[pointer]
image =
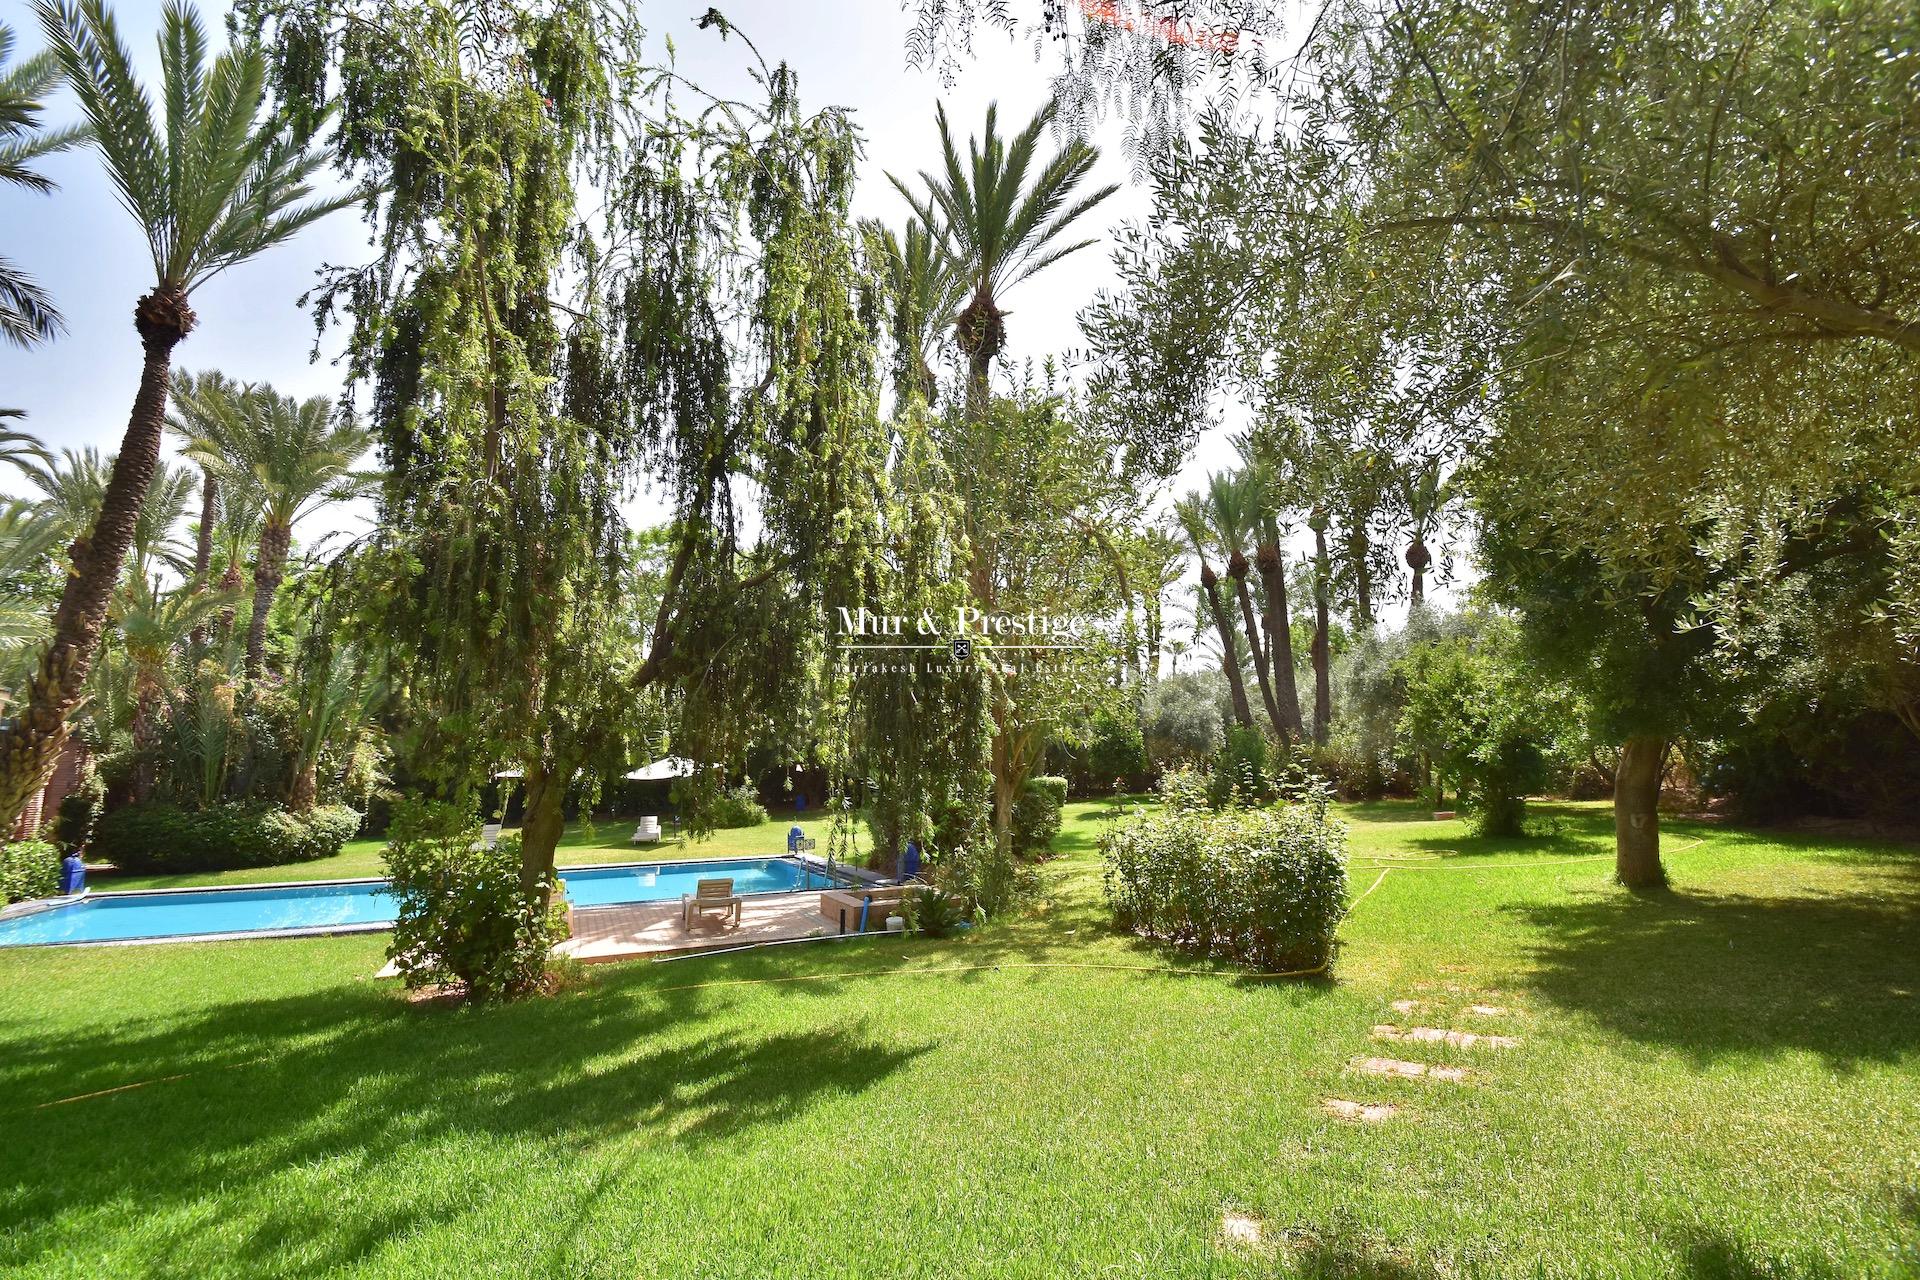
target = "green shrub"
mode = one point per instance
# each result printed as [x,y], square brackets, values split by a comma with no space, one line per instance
[79,810]
[932,911]
[738,807]
[1036,814]
[464,916]
[1240,770]
[29,869]
[1263,887]
[160,837]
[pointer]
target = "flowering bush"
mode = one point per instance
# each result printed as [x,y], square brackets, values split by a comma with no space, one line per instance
[1264,887]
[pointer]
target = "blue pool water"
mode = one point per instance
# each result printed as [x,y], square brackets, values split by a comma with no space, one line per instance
[115,917]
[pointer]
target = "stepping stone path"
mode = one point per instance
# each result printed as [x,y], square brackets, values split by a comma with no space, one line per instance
[1406,1006]
[1409,1070]
[1364,1112]
[1435,1035]
[1480,1010]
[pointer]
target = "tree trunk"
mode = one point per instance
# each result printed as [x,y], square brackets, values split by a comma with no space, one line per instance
[1229,653]
[1418,558]
[31,745]
[1357,548]
[1003,791]
[1636,813]
[1273,577]
[146,697]
[1153,633]
[203,547]
[229,581]
[269,567]
[306,787]
[1322,684]
[543,820]
[1238,569]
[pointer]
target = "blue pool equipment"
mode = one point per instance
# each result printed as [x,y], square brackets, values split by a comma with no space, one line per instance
[73,875]
[800,802]
[794,836]
[910,861]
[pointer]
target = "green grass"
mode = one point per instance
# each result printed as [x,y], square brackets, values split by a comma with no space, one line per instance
[1719,1081]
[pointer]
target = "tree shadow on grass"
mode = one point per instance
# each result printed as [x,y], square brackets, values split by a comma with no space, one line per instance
[1725,974]
[1716,1255]
[345,1076]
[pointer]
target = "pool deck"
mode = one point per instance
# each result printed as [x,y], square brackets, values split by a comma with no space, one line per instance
[640,929]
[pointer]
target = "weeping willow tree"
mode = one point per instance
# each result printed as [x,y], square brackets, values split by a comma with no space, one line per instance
[532,367]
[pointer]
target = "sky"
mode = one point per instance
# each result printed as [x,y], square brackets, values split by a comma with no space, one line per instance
[87,250]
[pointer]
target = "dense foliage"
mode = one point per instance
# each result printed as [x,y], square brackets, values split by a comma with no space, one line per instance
[1262,887]
[161,837]
[29,869]
[1036,815]
[465,916]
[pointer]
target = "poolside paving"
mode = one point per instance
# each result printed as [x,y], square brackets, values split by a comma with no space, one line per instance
[630,930]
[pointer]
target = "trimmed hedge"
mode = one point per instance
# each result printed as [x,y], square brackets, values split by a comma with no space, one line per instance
[159,837]
[29,869]
[1262,887]
[1036,814]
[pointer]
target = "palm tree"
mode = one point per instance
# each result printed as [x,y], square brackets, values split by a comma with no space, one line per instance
[1267,501]
[1233,512]
[27,314]
[922,288]
[21,448]
[295,457]
[193,418]
[1001,221]
[211,186]
[28,542]
[74,488]
[1192,514]
[154,625]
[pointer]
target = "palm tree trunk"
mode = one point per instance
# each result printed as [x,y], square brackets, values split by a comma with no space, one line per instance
[306,786]
[30,746]
[1322,684]
[1418,558]
[1357,548]
[1238,569]
[1636,813]
[269,567]
[1273,577]
[1229,652]
[203,546]
[146,697]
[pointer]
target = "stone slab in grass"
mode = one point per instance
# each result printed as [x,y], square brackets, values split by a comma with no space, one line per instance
[1405,1006]
[1438,1035]
[1394,1067]
[1488,1010]
[1363,1112]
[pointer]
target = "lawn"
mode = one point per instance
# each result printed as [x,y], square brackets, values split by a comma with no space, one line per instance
[1719,1081]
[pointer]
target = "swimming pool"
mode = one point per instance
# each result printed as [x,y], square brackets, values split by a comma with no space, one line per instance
[347,906]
